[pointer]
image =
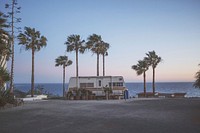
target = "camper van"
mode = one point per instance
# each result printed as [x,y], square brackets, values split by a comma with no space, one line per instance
[97,85]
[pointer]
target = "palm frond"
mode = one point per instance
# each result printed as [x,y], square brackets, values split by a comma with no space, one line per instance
[75,43]
[4,76]
[31,39]
[63,61]
[141,67]
[153,59]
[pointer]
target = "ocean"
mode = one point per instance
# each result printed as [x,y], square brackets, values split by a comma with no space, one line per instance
[55,89]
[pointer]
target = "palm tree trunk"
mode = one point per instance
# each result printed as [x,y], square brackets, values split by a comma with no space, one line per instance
[76,69]
[97,64]
[153,81]
[32,75]
[12,51]
[63,80]
[103,64]
[144,84]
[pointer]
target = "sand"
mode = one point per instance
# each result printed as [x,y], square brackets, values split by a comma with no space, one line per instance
[113,116]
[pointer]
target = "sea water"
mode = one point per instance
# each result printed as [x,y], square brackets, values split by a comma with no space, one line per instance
[55,89]
[165,87]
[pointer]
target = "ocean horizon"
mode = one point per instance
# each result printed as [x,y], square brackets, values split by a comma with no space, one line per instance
[55,89]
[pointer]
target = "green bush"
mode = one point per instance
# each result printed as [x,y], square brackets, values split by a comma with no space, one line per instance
[6,97]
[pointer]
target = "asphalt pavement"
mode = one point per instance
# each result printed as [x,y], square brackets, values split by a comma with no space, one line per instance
[112,116]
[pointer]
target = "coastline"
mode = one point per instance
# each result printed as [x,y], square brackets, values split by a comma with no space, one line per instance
[133,87]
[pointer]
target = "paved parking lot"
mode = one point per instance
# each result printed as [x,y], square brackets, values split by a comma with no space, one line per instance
[113,116]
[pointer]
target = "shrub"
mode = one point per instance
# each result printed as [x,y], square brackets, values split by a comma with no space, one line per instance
[6,97]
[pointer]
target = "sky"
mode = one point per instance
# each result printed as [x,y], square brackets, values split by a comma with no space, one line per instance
[132,28]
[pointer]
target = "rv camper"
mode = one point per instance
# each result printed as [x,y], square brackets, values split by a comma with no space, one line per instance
[97,85]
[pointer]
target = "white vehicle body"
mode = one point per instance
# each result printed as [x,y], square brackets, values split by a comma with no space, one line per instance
[96,84]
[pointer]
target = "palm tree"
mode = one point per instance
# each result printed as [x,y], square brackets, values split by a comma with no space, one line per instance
[153,61]
[74,43]
[141,68]
[3,25]
[4,77]
[4,41]
[197,82]
[94,44]
[32,40]
[63,61]
[5,51]
[104,52]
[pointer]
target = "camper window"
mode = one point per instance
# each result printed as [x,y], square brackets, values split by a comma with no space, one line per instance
[99,82]
[116,84]
[85,85]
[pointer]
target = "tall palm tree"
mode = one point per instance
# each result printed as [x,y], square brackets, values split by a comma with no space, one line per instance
[94,44]
[32,40]
[197,82]
[63,61]
[74,43]
[140,69]
[153,60]
[104,51]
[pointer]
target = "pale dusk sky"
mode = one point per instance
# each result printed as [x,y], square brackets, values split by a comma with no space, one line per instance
[131,27]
